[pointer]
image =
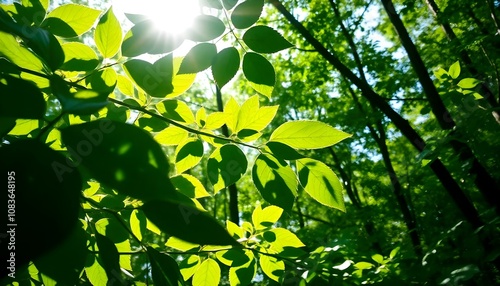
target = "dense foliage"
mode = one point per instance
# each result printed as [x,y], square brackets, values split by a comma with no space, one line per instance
[125,167]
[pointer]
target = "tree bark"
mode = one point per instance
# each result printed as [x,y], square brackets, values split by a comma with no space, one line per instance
[233,190]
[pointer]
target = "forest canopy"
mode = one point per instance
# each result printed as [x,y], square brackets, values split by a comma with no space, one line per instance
[256,143]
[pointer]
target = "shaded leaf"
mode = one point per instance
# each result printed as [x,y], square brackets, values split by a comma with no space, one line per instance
[176,110]
[15,93]
[264,39]
[109,255]
[187,223]
[247,13]
[155,79]
[259,72]
[225,166]
[205,28]
[225,65]
[199,58]
[283,151]
[229,4]
[136,165]
[275,181]
[244,274]
[164,268]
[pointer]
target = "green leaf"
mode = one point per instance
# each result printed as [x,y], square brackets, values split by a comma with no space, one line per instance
[189,265]
[135,164]
[109,255]
[233,257]
[30,11]
[454,70]
[244,274]
[108,34]
[394,252]
[190,186]
[199,58]
[187,223]
[216,4]
[205,28]
[265,218]
[42,42]
[215,120]
[176,110]
[57,264]
[283,151]
[112,229]
[95,272]
[225,166]
[171,136]
[188,154]
[41,189]
[82,102]
[155,79]
[259,72]
[181,82]
[225,65]
[247,13]
[363,265]
[234,230]
[272,267]
[231,112]
[70,20]
[164,269]
[307,134]
[275,181]
[147,37]
[229,4]
[321,183]
[18,54]
[15,93]
[79,57]
[180,244]
[264,39]
[281,239]
[468,83]
[253,117]
[103,81]
[378,258]
[208,274]
[138,223]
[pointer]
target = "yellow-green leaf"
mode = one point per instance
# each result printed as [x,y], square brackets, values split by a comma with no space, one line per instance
[253,117]
[108,34]
[176,110]
[265,218]
[308,134]
[234,230]
[279,238]
[231,110]
[321,183]
[17,54]
[189,186]
[225,166]
[272,267]
[180,244]
[70,20]
[215,120]
[79,57]
[189,265]
[454,70]
[468,83]
[171,135]
[208,274]
[188,154]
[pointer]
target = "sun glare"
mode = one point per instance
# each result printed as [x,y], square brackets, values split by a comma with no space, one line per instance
[173,16]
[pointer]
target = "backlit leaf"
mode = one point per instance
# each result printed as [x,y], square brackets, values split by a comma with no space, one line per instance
[244,274]
[176,110]
[264,39]
[468,83]
[265,218]
[307,134]
[138,223]
[180,244]
[171,135]
[281,238]
[225,65]
[108,34]
[454,70]
[272,267]
[321,183]
[109,255]
[231,112]
[189,265]
[208,274]
[18,54]
[79,57]
[70,20]
[253,117]
[181,82]
[190,186]
[275,181]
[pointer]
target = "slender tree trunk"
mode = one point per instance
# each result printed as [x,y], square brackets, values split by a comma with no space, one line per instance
[233,190]
[368,224]
[484,182]
[451,186]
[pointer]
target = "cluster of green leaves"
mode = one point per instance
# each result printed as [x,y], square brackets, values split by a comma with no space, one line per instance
[94,122]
